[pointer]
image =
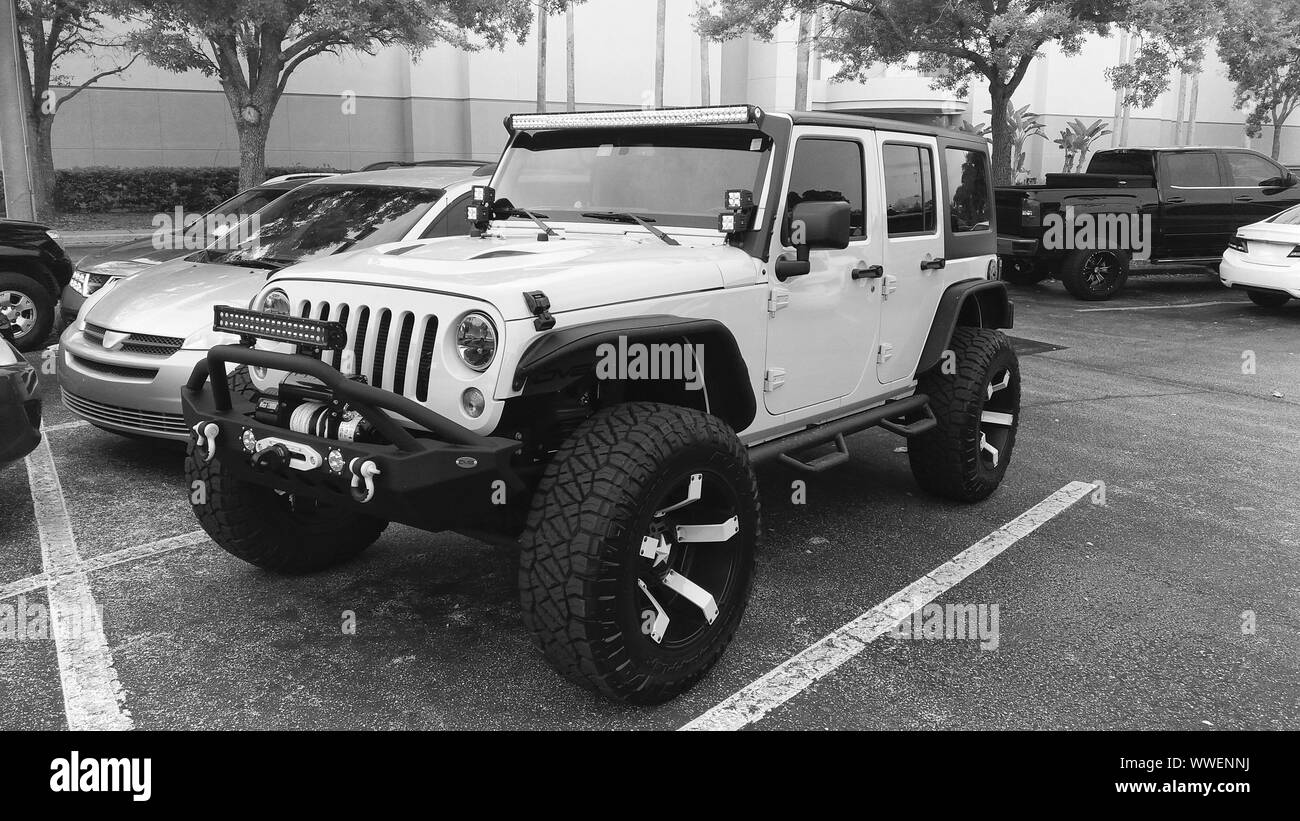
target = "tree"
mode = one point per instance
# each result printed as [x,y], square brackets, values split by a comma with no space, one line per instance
[1260,45]
[1077,139]
[542,41]
[253,47]
[50,32]
[958,41]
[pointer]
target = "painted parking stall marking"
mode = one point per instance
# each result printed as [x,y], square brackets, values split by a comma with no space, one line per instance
[752,702]
[92,694]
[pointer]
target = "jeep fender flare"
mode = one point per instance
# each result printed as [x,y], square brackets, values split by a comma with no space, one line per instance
[979,303]
[566,353]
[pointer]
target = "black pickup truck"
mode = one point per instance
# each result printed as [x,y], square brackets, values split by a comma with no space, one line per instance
[1153,205]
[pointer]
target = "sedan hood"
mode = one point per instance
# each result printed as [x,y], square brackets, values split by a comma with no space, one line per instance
[174,299]
[129,258]
[575,273]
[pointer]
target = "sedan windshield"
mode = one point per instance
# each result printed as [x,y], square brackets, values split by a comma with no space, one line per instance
[668,176]
[319,220]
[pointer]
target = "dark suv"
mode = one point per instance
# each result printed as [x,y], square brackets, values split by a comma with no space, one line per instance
[34,268]
[20,409]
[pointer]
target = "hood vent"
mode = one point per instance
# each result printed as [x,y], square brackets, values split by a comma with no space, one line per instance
[499,254]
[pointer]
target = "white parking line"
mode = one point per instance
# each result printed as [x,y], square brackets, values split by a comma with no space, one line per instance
[92,694]
[1160,307]
[752,702]
[64,426]
[127,554]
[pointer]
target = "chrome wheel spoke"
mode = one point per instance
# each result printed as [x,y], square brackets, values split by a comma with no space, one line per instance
[693,494]
[693,593]
[656,550]
[994,387]
[985,447]
[1006,420]
[660,625]
[709,533]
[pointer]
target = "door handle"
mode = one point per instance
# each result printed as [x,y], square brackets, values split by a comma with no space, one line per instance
[1243,198]
[1175,199]
[869,272]
[933,264]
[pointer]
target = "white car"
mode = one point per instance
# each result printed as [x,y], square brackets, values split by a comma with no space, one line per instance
[135,342]
[1264,259]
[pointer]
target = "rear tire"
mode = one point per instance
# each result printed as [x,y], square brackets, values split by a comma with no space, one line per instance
[1094,276]
[1268,299]
[592,598]
[280,533]
[30,308]
[977,409]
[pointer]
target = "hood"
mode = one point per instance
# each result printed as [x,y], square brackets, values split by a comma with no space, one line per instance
[174,299]
[129,258]
[577,273]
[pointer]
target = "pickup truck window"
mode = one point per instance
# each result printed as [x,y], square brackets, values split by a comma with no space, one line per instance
[1249,171]
[909,189]
[1192,169]
[1123,163]
[968,174]
[827,170]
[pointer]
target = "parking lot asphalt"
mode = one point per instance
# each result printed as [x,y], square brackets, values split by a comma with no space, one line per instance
[1129,609]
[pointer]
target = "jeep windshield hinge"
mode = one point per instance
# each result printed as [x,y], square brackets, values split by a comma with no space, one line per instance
[540,307]
[777,299]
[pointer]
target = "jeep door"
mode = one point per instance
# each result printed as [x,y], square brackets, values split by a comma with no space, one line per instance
[822,325]
[915,276]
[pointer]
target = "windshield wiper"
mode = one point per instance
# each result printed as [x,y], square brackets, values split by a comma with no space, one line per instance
[265,264]
[644,222]
[511,211]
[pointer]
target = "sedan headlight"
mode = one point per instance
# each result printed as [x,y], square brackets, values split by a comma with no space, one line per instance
[476,341]
[87,283]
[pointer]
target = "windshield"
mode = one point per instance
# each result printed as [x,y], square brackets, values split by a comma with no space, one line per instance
[319,220]
[670,176]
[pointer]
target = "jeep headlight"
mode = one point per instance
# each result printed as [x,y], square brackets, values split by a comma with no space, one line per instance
[276,302]
[476,340]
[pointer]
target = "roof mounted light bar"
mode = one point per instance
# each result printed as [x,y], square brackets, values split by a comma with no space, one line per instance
[712,115]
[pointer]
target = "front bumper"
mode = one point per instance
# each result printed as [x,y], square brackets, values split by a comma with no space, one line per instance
[20,412]
[1237,271]
[1009,246]
[457,481]
[130,393]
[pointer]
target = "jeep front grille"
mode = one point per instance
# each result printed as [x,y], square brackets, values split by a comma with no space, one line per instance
[393,349]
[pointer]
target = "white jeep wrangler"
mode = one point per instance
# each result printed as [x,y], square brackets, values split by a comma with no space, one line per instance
[648,304]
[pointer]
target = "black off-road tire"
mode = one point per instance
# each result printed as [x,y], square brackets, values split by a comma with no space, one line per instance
[1080,276]
[948,460]
[1268,299]
[241,383]
[579,563]
[264,528]
[42,302]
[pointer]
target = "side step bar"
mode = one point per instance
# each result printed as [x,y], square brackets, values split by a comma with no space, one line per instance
[885,416]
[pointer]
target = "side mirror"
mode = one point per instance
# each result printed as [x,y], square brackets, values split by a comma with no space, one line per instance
[815,225]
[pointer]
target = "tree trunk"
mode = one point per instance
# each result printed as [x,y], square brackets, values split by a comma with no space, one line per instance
[41,156]
[661,28]
[1277,138]
[252,152]
[1004,172]
[801,64]
[571,94]
[541,58]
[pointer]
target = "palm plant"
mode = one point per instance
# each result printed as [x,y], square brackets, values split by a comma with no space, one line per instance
[1077,139]
[1022,124]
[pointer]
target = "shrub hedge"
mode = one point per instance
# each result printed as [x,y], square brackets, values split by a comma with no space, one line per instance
[109,190]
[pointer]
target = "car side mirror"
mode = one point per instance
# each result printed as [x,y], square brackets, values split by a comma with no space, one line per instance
[815,225]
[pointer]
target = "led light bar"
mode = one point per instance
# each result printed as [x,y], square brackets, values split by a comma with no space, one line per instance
[714,115]
[326,336]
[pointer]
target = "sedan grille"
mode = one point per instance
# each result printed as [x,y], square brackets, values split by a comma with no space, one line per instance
[147,344]
[165,424]
[393,349]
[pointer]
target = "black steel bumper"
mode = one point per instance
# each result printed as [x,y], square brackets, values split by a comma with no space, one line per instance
[1018,246]
[20,412]
[456,481]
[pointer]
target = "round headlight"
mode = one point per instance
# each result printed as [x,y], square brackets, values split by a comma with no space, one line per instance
[476,341]
[276,302]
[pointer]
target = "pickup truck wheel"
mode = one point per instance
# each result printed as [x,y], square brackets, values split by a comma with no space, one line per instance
[281,533]
[1268,299]
[638,553]
[29,307]
[1095,275]
[978,412]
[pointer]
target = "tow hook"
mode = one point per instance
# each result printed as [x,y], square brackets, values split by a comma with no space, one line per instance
[272,459]
[365,472]
[205,438]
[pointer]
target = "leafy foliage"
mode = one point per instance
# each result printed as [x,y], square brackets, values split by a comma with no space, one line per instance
[1260,45]
[1077,139]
